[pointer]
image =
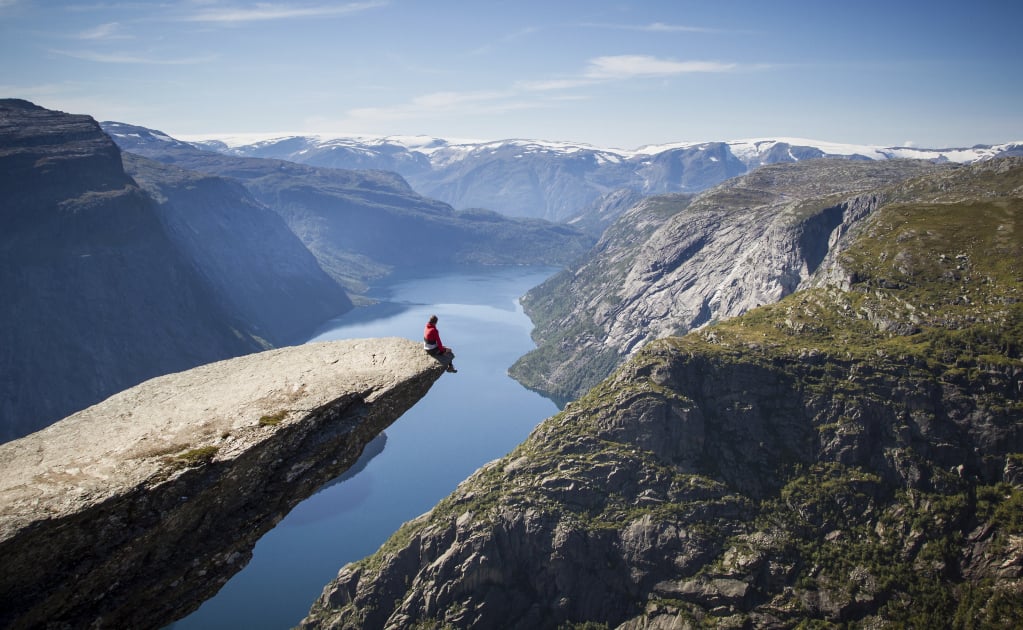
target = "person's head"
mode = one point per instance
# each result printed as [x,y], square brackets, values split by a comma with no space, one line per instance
[433,319]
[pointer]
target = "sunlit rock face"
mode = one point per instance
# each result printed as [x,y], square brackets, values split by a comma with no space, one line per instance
[674,263]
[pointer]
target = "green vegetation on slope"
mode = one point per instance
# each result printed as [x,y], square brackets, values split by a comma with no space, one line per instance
[942,292]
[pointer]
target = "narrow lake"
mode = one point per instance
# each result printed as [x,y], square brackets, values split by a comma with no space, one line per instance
[466,420]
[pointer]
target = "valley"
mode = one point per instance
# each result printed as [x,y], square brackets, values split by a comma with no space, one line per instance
[846,456]
[787,374]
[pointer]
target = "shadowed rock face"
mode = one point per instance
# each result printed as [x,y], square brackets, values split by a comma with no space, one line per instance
[96,297]
[257,268]
[111,276]
[47,155]
[132,512]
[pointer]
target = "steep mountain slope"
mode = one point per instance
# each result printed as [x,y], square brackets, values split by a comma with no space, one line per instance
[96,297]
[674,263]
[522,178]
[557,180]
[850,456]
[361,224]
[603,212]
[254,264]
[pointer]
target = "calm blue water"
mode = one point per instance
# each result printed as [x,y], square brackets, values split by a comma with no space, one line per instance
[466,420]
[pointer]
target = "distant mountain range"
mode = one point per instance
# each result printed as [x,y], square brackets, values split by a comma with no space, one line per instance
[362,224]
[558,180]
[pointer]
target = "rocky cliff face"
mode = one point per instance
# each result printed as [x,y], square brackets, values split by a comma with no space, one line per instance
[255,266]
[111,277]
[132,512]
[851,455]
[96,297]
[603,212]
[675,263]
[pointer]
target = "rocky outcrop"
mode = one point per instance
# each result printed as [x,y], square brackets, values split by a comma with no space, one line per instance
[848,456]
[674,263]
[130,513]
[96,297]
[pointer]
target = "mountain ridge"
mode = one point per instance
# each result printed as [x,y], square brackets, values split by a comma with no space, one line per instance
[360,224]
[555,180]
[78,236]
[754,147]
[256,266]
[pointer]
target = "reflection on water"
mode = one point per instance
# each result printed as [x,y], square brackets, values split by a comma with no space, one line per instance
[349,490]
[466,420]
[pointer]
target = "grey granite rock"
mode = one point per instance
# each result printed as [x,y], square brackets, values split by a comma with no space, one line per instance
[133,511]
[675,263]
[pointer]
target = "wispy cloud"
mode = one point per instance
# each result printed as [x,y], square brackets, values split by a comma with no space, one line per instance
[507,39]
[438,103]
[111,30]
[631,66]
[661,27]
[130,58]
[555,84]
[623,67]
[278,11]
[654,27]
[523,94]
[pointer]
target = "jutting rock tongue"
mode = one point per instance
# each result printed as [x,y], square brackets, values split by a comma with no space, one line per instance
[134,511]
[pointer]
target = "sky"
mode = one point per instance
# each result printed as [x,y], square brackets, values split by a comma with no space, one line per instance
[610,73]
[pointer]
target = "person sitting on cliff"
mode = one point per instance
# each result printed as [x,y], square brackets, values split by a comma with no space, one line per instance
[433,346]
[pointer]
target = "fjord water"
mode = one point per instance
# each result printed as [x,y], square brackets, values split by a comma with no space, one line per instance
[466,420]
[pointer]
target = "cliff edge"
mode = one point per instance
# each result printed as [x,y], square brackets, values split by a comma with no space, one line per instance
[132,512]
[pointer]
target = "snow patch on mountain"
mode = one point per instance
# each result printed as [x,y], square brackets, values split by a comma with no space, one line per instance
[445,151]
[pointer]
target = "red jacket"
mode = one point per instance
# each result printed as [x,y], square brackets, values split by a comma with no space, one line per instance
[432,336]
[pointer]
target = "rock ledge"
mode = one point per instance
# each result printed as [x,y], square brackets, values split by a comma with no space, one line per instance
[132,512]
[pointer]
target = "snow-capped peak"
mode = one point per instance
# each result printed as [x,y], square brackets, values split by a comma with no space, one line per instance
[752,151]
